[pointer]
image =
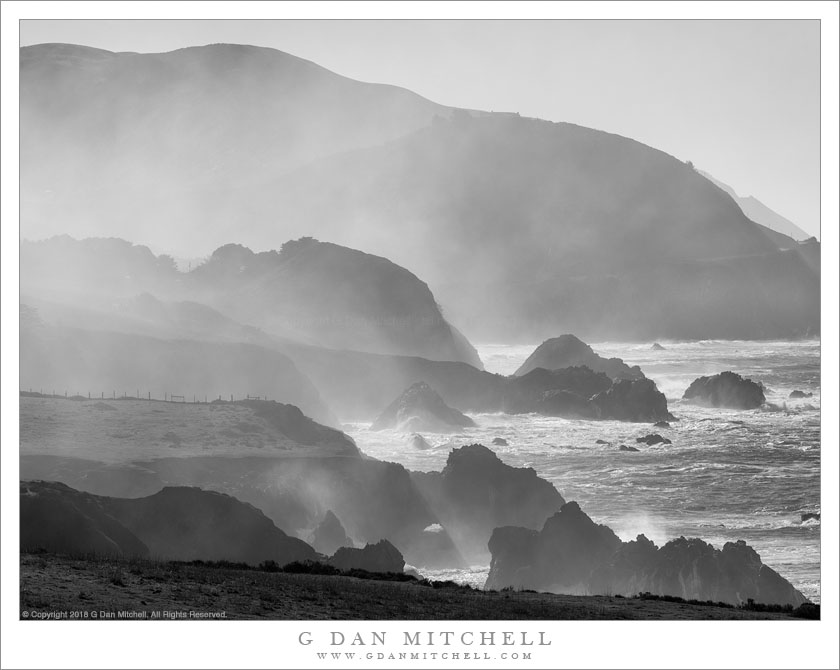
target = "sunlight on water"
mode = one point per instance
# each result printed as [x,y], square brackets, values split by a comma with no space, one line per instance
[728,475]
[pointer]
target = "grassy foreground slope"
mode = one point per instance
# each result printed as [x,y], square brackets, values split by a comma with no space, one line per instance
[51,583]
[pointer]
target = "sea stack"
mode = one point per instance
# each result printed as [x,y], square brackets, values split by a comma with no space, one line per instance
[420,409]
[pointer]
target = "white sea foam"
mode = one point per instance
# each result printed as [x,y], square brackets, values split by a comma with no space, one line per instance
[728,475]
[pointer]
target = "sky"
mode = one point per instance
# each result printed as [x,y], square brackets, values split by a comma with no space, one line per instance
[740,99]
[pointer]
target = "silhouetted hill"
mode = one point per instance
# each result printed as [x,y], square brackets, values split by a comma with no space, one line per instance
[376,499]
[177,523]
[777,226]
[95,122]
[82,361]
[523,228]
[555,227]
[330,295]
[55,517]
[316,292]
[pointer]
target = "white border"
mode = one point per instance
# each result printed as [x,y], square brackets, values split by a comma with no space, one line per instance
[272,644]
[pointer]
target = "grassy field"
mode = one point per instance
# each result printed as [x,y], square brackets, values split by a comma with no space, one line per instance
[122,431]
[60,584]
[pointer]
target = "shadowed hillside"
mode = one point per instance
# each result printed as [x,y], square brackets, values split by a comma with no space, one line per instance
[315,292]
[522,228]
[176,523]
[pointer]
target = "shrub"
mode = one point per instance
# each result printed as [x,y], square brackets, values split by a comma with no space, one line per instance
[310,568]
[269,566]
[807,611]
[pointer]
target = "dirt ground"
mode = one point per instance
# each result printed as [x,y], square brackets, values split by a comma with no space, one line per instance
[76,588]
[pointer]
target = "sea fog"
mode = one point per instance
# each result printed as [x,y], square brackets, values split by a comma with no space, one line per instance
[727,475]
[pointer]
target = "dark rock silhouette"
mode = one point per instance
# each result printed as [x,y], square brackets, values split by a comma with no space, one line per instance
[380,557]
[566,392]
[810,515]
[601,442]
[653,438]
[181,523]
[568,351]
[291,422]
[726,389]
[500,442]
[624,447]
[632,400]
[420,408]
[375,499]
[800,394]
[57,518]
[657,347]
[559,557]
[693,569]
[662,424]
[330,535]
[572,554]
[477,492]
[417,441]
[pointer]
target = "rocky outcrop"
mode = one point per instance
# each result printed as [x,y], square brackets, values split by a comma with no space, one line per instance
[632,400]
[558,558]
[380,557]
[476,492]
[568,351]
[500,442]
[420,409]
[657,347]
[566,392]
[572,554]
[726,389]
[693,569]
[374,499]
[624,447]
[800,394]
[57,518]
[417,441]
[330,535]
[289,421]
[653,438]
[180,523]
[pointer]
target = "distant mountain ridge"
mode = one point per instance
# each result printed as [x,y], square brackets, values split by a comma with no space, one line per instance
[522,228]
[311,291]
[760,213]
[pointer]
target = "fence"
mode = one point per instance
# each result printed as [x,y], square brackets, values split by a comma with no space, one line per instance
[149,397]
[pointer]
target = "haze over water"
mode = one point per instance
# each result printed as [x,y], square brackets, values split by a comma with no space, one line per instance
[729,475]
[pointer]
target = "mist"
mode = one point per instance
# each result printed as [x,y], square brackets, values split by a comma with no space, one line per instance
[347,247]
[589,233]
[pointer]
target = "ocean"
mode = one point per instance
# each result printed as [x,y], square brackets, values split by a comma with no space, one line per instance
[728,475]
